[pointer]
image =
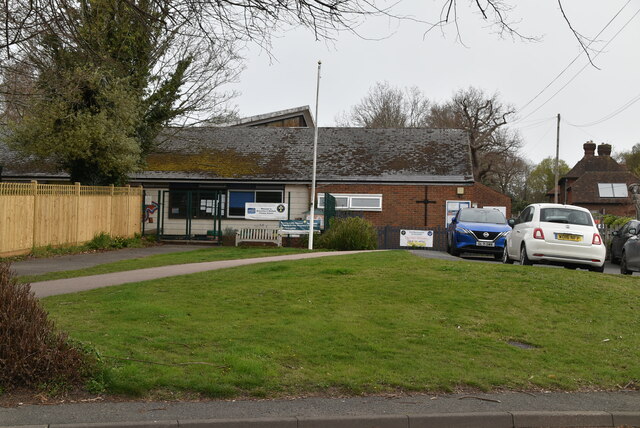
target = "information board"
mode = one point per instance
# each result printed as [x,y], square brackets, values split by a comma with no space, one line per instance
[264,211]
[416,238]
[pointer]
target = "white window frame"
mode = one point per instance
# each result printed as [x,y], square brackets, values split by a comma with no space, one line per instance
[350,197]
[612,190]
[254,198]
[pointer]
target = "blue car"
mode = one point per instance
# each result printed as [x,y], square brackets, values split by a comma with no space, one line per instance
[477,230]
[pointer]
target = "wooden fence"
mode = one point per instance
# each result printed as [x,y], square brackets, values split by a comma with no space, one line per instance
[36,215]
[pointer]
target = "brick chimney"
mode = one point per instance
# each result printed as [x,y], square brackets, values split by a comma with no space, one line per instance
[604,149]
[589,148]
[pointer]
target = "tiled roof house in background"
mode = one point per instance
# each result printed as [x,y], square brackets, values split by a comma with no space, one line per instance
[598,183]
[298,117]
[392,177]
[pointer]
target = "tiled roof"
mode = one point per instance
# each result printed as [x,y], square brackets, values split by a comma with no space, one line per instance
[594,163]
[585,188]
[285,154]
[16,164]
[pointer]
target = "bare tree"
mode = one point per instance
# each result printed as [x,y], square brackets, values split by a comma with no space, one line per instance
[483,117]
[386,106]
[22,20]
[508,174]
[498,14]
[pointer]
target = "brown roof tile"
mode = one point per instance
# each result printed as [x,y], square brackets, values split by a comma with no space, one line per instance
[285,154]
[585,188]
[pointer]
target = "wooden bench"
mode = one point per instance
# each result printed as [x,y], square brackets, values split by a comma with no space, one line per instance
[259,235]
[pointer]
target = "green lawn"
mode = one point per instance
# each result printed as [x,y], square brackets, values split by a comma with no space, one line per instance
[364,323]
[194,256]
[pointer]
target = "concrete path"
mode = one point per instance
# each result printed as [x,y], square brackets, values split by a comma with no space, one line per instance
[504,410]
[81,261]
[73,285]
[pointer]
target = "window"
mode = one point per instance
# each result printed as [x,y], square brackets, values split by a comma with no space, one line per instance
[565,216]
[612,190]
[482,216]
[204,204]
[526,215]
[238,199]
[354,202]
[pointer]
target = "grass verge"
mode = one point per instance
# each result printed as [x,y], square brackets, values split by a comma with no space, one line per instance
[193,256]
[100,242]
[366,323]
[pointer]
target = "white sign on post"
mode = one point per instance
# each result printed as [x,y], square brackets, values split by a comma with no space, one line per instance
[263,211]
[416,238]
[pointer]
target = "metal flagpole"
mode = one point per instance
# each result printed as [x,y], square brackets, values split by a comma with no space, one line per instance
[312,209]
[557,170]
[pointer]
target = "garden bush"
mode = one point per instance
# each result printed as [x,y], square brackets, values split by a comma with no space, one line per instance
[104,241]
[32,353]
[351,233]
[615,222]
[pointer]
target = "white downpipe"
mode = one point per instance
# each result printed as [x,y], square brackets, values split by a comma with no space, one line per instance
[312,209]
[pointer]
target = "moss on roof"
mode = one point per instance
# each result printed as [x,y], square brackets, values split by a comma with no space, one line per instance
[220,163]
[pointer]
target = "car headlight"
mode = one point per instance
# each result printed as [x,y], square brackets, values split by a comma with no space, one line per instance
[463,230]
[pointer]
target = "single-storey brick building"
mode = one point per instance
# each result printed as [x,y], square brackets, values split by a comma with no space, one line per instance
[396,178]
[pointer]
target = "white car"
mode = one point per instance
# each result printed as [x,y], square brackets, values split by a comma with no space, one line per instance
[555,234]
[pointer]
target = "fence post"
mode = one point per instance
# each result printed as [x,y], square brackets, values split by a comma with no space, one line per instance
[128,210]
[386,237]
[34,191]
[77,194]
[111,213]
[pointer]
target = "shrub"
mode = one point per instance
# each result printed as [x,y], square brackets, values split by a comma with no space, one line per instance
[229,231]
[32,353]
[99,241]
[104,241]
[615,222]
[352,233]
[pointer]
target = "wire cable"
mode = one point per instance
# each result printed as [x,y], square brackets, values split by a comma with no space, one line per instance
[576,58]
[585,66]
[538,123]
[590,135]
[611,115]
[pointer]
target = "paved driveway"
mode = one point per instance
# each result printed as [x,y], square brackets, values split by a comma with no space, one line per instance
[608,267]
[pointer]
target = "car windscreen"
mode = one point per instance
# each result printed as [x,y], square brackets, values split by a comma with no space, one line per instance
[565,215]
[482,216]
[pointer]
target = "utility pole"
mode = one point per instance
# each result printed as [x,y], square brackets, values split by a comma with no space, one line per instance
[312,209]
[557,170]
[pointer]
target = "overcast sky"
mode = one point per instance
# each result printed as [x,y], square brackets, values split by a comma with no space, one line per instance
[439,65]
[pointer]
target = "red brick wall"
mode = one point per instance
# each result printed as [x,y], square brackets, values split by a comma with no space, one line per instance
[619,210]
[486,196]
[399,206]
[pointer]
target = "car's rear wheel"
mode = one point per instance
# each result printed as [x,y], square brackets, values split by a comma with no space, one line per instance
[505,257]
[597,269]
[524,259]
[623,265]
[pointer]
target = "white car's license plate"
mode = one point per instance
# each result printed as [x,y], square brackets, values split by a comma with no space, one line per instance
[569,237]
[486,244]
